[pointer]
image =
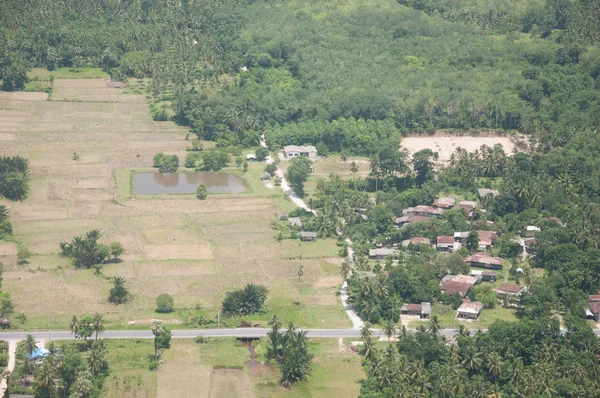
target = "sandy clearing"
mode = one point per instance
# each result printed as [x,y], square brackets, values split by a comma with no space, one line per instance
[23,96]
[178,252]
[8,136]
[446,145]
[8,249]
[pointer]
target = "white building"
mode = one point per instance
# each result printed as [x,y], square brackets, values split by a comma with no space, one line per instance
[293,151]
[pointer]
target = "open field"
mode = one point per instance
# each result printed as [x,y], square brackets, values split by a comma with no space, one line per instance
[445,145]
[217,369]
[194,250]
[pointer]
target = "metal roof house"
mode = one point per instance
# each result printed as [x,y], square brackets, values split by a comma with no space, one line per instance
[469,310]
[294,151]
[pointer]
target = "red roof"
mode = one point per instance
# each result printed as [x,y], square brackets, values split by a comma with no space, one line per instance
[594,306]
[413,307]
[452,287]
[595,297]
[510,287]
[445,240]
[483,258]
[419,240]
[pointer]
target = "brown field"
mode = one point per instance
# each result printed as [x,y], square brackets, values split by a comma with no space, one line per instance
[194,250]
[444,145]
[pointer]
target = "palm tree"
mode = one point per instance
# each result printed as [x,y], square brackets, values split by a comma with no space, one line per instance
[494,363]
[389,330]
[30,345]
[434,325]
[98,324]
[471,360]
[74,326]
[97,359]
[365,331]
[46,377]
[299,273]
[275,323]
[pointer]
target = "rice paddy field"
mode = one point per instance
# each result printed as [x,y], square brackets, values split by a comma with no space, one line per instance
[223,368]
[194,250]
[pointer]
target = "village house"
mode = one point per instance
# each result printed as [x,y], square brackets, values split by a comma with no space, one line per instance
[402,221]
[421,210]
[486,276]
[294,151]
[483,192]
[419,240]
[444,203]
[469,310]
[295,222]
[486,239]
[460,284]
[381,253]
[483,260]
[445,243]
[510,289]
[265,176]
[593,311]
[283,216]
[460,237]
[251,157]
[423,310]
[308,236]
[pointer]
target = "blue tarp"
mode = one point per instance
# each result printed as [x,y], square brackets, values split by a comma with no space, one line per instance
[39,353]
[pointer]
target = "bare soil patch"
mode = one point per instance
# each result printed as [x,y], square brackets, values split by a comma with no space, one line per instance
[446,145]
[178,252]
[8,249]
[23,96]
[227,383]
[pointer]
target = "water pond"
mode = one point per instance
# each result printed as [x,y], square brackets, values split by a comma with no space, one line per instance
[174,183]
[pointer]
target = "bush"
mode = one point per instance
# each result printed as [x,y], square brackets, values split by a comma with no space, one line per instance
[164,303]
[193,160]
[271,169]
[196,146]
[166,163]
[200,340]
[201,192]
[116,249]
[3,360]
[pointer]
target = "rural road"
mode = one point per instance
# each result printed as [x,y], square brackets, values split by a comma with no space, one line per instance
[192,333]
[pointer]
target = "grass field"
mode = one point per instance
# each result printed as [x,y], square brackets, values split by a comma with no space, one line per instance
[194,250]
[217,369]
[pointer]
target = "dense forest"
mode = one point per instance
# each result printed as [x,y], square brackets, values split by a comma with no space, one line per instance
[310,71]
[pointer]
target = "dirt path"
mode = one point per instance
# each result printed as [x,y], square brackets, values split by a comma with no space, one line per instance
[357,323]
[12,350]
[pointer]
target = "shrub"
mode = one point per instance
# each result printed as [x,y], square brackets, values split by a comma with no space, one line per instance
[201,192]
[271,169]
[196,146]
[200,340]
[164,303]
[166,163]
[3,360]
[262,153]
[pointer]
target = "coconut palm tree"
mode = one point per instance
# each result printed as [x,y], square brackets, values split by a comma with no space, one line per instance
[30,345]
[45,376]
[74,326]
[494,364]
[98,324]
[96,360]
[434,325]
[300,272]
[389,329]
[346,269]
[365,331]
[471,360]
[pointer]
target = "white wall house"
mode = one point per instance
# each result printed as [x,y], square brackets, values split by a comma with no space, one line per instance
[294,151]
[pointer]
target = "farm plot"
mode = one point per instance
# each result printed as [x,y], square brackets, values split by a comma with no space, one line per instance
[194,250]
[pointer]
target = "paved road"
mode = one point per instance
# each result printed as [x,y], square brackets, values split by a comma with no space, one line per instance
[190,334]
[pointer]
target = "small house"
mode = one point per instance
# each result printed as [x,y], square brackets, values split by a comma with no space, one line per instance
[295,222]
[419,240]
[444,203]
[460,284]
[411,309]
[39,354]
[469,310]
[485,276]
[483,260]
[404,220]
[460,237]
[483,192]
[294,151]
[445,243]
[593,310]
[283,216]
[510,289]
[265,176]
[381,253]
[308,236]
[421,210]
[532,228]
[486,239]
[425,310]
[4,321]
[250,157]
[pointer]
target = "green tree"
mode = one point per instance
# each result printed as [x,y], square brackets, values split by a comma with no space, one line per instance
[98,325]
[248,300]
[166,163]
[116,249]
[29,344]
[245,167]
[239,161]
[297,173]
[261,153]
[472,241]
[202,192]
[164,303]
[119,294]
[353,168]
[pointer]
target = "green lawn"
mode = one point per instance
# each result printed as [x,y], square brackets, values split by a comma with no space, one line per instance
[128,366]
[294,248]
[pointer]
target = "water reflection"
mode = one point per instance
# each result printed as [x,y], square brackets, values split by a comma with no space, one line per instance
[158,183]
